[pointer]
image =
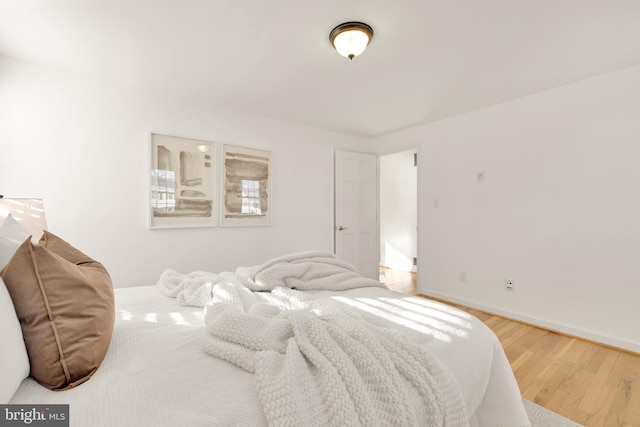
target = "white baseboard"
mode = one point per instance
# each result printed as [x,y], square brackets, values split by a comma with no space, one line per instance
[562,328]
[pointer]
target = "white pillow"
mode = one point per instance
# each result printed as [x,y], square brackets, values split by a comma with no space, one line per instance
[14,361]
[12,235]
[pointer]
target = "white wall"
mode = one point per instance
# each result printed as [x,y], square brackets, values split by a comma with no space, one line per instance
[398,211]
[558,212]
[83,146]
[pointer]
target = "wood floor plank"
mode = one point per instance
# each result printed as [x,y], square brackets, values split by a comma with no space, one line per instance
[607,364]
[527,374]
[513,338]
[632,417]
[581,417]
[591,397]
[618,410]
[621,369]
[632,368]
[597,360]
[577,387]
[521,360]
[559,397]
[602,405]
[552,384]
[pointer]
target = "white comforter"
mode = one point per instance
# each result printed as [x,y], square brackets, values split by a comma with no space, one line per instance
[316,363]
[156,372]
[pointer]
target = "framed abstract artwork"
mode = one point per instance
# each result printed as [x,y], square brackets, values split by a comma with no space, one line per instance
[183,182]
[246,190]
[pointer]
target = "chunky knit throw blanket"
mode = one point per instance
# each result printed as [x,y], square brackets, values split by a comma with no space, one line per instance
[318,364]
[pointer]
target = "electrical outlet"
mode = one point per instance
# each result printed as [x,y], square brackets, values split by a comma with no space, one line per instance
[508,285]
[462,277]
[480,176]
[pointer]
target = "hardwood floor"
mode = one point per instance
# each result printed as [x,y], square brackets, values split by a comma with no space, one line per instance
[592,384]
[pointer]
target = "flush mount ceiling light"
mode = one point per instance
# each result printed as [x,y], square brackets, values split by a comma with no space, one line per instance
[351,38]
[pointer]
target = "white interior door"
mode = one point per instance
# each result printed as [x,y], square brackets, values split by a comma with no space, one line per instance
[356,211]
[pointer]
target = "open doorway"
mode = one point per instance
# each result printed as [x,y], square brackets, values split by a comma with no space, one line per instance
[399,220]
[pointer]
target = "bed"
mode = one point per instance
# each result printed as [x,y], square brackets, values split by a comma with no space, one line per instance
[159,367]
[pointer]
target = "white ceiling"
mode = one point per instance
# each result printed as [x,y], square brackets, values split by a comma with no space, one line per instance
[429,59]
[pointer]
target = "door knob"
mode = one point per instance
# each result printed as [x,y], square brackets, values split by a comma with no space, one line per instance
[340,228]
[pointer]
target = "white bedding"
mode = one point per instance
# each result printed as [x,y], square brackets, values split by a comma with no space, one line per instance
[156,372]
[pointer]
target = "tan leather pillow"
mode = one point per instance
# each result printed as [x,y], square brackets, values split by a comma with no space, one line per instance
[65,304]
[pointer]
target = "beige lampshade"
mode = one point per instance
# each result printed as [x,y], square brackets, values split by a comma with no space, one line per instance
[28,212]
